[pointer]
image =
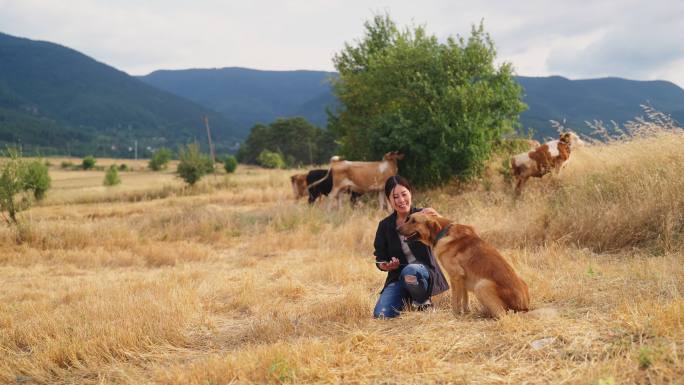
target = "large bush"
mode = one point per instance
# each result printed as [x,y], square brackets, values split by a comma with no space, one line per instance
[21,182]
[442,104]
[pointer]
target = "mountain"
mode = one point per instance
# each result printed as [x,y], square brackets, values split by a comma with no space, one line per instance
[605,99]
[251,96]
[56,100]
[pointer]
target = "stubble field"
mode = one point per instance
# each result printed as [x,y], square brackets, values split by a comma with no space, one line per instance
[233,282]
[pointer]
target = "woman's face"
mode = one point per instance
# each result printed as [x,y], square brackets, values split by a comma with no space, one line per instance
[400,199]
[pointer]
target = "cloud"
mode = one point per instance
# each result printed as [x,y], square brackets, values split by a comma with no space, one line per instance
[581,38]
[638,45]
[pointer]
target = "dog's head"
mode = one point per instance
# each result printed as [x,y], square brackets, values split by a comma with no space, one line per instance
[420,227]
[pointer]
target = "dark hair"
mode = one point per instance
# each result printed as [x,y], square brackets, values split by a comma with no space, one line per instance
[393,181]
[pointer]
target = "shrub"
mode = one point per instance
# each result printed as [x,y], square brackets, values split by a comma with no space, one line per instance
[160,159]
[123,167]
[89,162]
[67,164]
[19,177]
[37,179]
[207,164]
[230,164]
[112,176]
[270,159]
[193,164]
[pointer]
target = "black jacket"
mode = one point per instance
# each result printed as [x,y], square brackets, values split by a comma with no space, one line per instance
[388,245]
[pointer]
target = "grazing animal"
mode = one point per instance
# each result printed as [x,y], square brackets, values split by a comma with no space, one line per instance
[550,156]
[363,177]
[471,264]
[319,182]
[299,185]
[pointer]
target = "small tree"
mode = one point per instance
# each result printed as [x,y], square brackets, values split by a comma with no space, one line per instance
[208,164]
[230,163]
[193,165]
[160,159]
[270,159]
[18,179]
[88,162]
[112,176]
[37,179]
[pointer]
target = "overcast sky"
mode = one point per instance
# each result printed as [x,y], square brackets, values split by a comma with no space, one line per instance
[639,40]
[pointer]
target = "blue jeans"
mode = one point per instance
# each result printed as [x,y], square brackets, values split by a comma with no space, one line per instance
[412,285]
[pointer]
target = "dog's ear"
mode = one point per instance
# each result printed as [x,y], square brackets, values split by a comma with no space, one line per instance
[433,226]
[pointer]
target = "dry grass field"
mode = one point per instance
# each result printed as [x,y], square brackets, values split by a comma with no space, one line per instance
[232,282]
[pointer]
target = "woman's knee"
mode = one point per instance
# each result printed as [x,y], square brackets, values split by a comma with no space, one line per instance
[385,312]
[385,309]
[414,273]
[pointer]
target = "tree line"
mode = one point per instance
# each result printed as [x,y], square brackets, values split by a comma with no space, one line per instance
[287,142]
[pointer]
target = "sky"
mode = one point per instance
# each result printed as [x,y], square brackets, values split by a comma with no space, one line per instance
[577,39]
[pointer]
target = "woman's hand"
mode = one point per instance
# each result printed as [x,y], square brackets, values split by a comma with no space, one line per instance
[430,211]
[389,266]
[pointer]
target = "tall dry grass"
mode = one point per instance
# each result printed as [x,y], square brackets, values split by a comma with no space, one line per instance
[610,197]
[235,283]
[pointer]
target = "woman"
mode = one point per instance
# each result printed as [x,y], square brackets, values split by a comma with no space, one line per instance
[413,275]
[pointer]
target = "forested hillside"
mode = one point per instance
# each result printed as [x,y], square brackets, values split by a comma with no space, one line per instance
[251,96]
[56,100]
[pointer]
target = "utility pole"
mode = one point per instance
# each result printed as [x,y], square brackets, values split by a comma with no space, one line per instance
[211,146]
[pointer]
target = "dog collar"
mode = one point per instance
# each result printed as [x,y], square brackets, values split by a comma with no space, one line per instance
[441,234]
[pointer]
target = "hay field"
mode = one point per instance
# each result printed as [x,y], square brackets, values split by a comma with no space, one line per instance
[232,282]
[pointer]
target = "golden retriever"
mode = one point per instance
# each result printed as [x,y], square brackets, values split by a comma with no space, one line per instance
[471,264]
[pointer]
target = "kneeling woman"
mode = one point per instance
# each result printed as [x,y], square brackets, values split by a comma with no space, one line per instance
[413,275]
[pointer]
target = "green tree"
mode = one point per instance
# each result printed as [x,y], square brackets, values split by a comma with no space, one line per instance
[298,141]
[442,104]
[21,182]
[230,163]
[88,162]
[160,159]
[270,159]
[112,176]
[37,179]
[193,165]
